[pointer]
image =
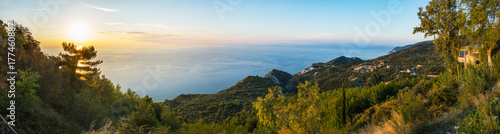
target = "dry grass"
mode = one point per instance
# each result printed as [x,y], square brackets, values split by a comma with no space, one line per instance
[106,129]
[396,125]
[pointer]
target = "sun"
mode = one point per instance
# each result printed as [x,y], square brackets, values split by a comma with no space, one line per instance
[79,32]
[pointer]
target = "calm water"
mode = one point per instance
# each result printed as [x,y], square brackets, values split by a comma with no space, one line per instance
[164,73]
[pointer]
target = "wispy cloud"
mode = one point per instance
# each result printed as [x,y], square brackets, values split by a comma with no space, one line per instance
[143,36]
[139,24]
[114,23]
[101,8]
[123,32]
[152,25]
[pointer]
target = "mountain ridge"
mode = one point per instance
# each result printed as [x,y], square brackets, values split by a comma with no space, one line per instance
[399,48]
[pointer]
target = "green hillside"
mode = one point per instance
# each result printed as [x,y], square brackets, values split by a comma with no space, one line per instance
[226,103]
[381,69]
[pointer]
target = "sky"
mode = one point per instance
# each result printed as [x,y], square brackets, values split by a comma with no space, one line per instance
[178,23]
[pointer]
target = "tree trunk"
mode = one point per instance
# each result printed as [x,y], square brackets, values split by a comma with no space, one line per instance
[490,62]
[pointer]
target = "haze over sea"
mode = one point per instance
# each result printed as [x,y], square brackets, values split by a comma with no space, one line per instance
[164,73]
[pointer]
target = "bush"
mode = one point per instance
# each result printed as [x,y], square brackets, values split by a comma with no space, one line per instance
[298,114]
[475,81]
[444,90]
[442,96]
[169,119]
[496,65]
[483,120]
[411,106]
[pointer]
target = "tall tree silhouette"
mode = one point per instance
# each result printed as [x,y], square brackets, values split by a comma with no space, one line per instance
[77,61]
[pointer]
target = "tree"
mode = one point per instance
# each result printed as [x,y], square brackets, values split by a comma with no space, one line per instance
[168,118]
[27,84]
[444,19]
[77,61]
[294,114]
[267,107]
[85,109]
[303,116]
[144,115]
[483,24]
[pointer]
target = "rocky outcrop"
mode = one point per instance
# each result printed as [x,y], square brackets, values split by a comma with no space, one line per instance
[282,79]
[279,77]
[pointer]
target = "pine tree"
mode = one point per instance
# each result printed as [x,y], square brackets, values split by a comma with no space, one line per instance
[77,61]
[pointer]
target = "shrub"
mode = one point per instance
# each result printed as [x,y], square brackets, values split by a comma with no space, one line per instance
[496,65]
[444,90]
[411,106]
[169,119]
[475,81]
[483,120]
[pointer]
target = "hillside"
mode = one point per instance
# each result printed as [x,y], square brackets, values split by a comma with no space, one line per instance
[421,59]
[224,104]
[351,72]
[335,62]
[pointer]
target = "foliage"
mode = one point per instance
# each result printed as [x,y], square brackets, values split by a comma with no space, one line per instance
[496,69]
[483,25]
[169,119]
[443,91]
[50,101]
[444,19]
[143,115]
[222,105]
[410,106]
[475,81]
[26,85]
[85,110]
[330,78]
[298,114]
[77,61]
[483,120]
[266,108]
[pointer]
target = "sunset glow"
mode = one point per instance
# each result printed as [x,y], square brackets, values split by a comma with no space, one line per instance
[79,32]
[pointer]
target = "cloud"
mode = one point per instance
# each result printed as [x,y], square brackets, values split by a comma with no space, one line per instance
[101,8]
[152,25]
[144,36]
[123,32]
[139,24]
[114,23]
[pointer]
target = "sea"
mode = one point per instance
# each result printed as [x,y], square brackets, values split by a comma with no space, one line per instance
[166,72]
